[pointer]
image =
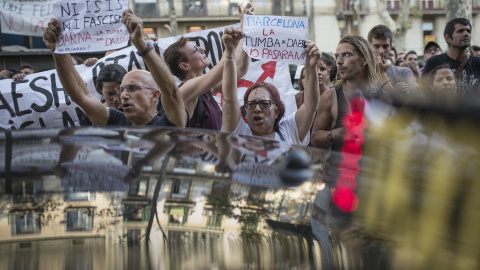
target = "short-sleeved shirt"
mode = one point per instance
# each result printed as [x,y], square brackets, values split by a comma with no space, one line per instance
[117,118]
[468,78]
[287,128]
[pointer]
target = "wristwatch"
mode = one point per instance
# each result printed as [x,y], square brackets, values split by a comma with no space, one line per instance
[148,49]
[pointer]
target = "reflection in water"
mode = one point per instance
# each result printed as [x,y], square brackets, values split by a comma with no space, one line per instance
[161,199]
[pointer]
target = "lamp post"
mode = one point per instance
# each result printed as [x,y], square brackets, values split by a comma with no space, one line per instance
[342,23]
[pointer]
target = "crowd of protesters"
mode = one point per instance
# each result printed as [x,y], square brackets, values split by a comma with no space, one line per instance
[366,67]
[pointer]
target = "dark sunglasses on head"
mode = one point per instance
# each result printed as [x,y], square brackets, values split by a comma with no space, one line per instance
[131,88]
[264,104]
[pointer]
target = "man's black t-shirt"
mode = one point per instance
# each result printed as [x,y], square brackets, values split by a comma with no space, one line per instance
[468,79]
[117,118]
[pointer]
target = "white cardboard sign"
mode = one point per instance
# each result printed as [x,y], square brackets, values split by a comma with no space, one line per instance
[40,100]
[29,18]
[275,38]
[91,26]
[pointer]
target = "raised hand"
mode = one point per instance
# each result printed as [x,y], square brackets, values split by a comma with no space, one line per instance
[313,54]
[50,36]
[248,9]
[135,27]
[90,61]
[231,37]
[382,64]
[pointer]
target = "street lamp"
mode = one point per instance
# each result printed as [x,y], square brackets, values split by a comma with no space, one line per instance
[342,23]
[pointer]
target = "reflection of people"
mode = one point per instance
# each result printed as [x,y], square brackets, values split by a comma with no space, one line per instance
[163,145]
[262,100]
[188,63]
[140,92]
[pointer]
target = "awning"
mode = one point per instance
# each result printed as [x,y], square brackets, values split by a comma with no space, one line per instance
[177,211]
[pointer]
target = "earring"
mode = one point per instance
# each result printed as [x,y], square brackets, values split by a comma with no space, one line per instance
[188,68]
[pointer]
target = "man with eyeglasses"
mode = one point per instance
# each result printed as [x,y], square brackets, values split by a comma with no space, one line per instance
[139,90]
[431,49]
[188,62]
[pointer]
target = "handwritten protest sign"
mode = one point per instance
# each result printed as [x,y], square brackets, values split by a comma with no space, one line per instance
[276,38]
[27,18]
[41,101]
[91,26]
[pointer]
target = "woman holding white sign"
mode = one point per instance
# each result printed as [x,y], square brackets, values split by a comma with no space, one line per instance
[264,108]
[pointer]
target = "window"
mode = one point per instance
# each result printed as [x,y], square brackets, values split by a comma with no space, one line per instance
[80,196]
[177,215]
[214,220]
[194,8]
[256,195]
[25,223]
[139,188]
[136,212]
[393,4]
[432,4]
[180,189]
[26,191]
[146,8]
[80,219]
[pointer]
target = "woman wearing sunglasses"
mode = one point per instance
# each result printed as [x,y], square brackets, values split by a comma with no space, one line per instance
[264,108]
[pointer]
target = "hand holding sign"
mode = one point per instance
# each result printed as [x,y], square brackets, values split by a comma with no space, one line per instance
[50,36]
[276,38]
[89,26]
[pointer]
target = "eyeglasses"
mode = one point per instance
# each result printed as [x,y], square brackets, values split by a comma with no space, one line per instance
[264,104]
[131,88]
[433,50]
[196,49]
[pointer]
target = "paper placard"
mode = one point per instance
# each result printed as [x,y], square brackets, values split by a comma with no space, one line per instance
[27,18]
[91,26]
[275,38]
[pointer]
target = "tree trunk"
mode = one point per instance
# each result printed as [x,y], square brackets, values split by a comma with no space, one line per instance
[400,27]
[458,9]
[387,19]
[173,18]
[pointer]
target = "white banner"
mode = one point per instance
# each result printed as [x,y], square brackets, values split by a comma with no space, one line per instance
[27,18]
[41,101]
[275,38]
[91,26]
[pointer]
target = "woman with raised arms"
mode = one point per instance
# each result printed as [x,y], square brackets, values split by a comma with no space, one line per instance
[264,108]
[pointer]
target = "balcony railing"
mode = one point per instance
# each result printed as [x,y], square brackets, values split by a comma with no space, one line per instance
[432,5]
[218,8]
[346,6]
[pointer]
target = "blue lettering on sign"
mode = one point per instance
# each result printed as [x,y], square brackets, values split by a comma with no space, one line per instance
[285,22]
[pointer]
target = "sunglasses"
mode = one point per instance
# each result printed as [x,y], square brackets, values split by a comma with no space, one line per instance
[196,49]
[131,88]
[264,104]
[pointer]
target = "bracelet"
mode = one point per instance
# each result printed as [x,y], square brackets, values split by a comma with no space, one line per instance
[230,58]
[330,138]
[385,83]
[147,50]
